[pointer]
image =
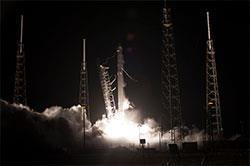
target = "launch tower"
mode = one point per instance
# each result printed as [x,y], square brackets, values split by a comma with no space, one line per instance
[213,111]
[107,91]
[84,89]
[172,116]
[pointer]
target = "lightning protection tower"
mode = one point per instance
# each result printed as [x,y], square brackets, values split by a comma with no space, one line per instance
[84,89]
[213,111]
[172,116]
[20,76]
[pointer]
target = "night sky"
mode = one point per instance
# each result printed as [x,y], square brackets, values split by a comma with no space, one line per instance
[53,33]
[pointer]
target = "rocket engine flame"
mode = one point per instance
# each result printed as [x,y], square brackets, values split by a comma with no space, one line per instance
[126,104]
[123,127]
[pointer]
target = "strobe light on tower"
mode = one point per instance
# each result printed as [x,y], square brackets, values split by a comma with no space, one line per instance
[214,130]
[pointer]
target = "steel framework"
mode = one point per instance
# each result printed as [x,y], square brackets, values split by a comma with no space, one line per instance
[107,91]
[214,130]
[172,116]
[20,75]
[84,89]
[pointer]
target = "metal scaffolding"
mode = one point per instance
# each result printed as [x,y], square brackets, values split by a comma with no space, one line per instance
[84,89]
[172,116]
[107,91]
[20,76]
[214,130]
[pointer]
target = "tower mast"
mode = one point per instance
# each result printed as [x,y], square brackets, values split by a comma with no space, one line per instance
[20,76]
[214,128]
[172,116]
[84,89]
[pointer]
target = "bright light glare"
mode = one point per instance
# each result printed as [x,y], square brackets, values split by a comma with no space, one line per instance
[126,104]
[121,128]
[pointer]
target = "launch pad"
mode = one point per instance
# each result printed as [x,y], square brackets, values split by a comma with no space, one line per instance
[108,129]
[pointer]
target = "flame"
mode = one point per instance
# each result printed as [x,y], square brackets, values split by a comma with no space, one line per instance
[122,127]
[126,104]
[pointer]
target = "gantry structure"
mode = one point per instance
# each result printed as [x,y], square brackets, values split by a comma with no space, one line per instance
[107,91]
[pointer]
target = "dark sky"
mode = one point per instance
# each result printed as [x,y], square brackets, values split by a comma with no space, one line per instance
[53,33]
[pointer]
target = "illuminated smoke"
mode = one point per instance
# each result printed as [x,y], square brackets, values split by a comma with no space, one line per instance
[195,135]
[73,116]
[57,124]
[125,128]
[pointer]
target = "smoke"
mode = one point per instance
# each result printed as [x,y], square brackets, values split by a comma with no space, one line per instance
[126,130]
[194,135]
[73,116]
[60,127]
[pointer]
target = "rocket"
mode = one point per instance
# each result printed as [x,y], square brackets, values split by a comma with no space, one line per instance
[120,79]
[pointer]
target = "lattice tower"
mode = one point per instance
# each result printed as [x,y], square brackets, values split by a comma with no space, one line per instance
[214,128]
[172,116]
[20,76]
[84,89]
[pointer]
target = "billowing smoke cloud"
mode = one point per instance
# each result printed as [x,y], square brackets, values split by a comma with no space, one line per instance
[62,128]
[73,116]
[194,135]
[127,130]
